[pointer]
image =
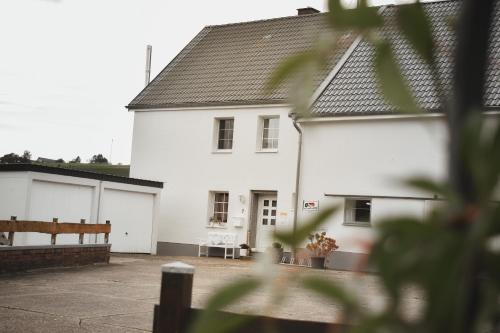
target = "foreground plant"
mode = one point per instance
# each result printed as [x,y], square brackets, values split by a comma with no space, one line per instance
[452,256]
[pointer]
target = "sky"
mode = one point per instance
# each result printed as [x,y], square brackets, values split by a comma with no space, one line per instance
[69,67]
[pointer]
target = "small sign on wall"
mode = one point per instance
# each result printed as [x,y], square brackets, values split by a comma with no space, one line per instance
[310,205]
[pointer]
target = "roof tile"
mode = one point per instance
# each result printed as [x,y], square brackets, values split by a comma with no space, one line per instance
[230,64]
[354,89]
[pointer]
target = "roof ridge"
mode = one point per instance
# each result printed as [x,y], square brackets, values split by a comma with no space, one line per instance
[424,3]
[266,20]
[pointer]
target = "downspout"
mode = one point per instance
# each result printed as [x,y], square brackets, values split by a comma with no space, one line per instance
[98,208]
[297,175]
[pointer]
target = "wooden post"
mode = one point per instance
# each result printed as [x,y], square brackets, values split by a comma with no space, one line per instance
[53,238]
[82,221]
[106,235]
[11,233]
[175,297]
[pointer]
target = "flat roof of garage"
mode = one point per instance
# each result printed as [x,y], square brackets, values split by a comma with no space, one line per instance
[79,173]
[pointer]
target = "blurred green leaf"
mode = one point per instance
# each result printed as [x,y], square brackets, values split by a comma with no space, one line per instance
[493,267]
[372,324]
[328,289]
[494,154]
[289,67]
[360,18]
[416,27]
[441,190]
[294,239]
[392,84]
[229,294]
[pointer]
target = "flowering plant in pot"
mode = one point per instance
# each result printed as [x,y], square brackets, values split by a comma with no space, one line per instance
[320,245]
[215,221]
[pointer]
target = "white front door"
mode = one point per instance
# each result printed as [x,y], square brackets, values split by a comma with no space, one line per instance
[266,220]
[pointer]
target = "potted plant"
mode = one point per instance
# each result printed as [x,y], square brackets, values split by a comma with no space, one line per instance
[247,249]
[215,221]
[276,251]
[320,245]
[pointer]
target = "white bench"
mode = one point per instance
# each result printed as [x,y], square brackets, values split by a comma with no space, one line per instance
[225,240]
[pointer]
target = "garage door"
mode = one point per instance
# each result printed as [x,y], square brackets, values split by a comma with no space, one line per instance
[67,202]
[131,216]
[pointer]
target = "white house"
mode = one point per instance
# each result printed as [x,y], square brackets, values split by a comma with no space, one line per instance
[357,151]
[226,148]
[230,151]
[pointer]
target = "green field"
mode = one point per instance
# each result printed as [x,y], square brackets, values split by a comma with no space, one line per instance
[117,170]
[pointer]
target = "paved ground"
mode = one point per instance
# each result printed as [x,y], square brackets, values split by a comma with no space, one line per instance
[119,297]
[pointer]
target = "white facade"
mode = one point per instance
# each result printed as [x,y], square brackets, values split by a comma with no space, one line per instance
[368,157]
[342,158]
[358,156]
[37,196]
[179,146]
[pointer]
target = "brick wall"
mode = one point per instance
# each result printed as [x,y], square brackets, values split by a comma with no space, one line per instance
[20,258]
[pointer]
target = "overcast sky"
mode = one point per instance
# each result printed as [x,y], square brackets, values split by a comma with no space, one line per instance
[68,67]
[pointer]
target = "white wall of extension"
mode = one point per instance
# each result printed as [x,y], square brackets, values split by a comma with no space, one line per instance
[178,146]
[132,209]
[369,156]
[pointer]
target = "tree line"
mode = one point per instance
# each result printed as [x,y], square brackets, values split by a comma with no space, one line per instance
[25,157]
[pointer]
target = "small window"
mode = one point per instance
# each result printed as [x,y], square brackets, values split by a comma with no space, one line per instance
[221,202]
[270,133]
[358,212]
[225,134]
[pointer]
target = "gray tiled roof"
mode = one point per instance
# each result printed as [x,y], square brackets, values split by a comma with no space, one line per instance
[230,64]
[354,89]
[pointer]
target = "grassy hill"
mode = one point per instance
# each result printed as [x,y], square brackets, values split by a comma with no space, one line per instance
[117,170]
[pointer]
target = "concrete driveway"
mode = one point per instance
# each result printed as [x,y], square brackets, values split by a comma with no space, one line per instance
[119,297]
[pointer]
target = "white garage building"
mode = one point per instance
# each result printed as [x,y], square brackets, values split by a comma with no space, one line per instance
[40,193]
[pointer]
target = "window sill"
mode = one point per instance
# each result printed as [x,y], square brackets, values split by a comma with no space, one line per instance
[357,224]
[216,226]
[264,151]
[222,151]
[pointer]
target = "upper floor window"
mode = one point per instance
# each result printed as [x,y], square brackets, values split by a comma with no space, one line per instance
[270,133]
[358,211]
[225,134]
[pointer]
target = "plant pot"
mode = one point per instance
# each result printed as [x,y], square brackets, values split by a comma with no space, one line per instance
[275,253]
[278,254]
[318,262]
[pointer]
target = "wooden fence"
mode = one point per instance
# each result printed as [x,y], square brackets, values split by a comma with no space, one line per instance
[175,315]
[54,228]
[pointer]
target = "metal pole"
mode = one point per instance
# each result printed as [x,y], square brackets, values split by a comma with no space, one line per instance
[149,51]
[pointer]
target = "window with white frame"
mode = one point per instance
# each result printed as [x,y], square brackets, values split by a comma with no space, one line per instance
[225,128]
[220,206]
[270,133]
[358,211]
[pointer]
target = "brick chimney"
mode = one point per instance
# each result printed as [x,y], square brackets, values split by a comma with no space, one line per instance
[307,11]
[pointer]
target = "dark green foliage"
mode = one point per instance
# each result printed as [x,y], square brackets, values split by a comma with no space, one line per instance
[99,158]
[76,160]
[392,84]
[360,18]
[109,169]
[416,28]
[328,289]
[14,158]
[229,294]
